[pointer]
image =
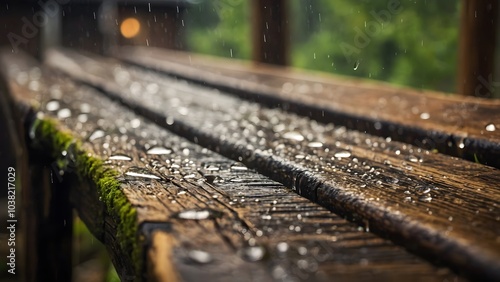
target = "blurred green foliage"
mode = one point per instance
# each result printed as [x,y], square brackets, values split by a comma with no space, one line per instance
[86,248]
[415,46]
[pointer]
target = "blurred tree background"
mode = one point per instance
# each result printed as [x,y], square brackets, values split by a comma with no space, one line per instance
[414,45]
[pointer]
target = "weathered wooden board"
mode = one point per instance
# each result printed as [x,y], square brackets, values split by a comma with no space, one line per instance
[439,205]
[462,127]
[248,227]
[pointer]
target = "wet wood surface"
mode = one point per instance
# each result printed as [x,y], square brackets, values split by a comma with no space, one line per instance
[442,206]
[202,215]
[464,127]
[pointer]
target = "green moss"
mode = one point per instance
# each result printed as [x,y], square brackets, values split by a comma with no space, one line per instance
[476,159]
[49,135]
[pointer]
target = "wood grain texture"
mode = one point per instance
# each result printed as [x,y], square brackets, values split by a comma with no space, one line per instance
[249,227]
[453,125]
[159,258]
[439,205]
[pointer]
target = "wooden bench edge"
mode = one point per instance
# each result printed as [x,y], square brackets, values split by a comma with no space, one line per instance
[49,133]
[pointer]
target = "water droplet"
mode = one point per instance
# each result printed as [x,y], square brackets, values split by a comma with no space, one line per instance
[238,167]
[356,65]
[82,118]
[279,273]
[34,85]
[425,198]
[169,120]
[85,108]
[342,154]
[212,168]
[315,145]
[490,127]
[159,151]
[64,113]
[189,176]
[282,247]
[425,116]
[461,144]
[22,78]
[413,159]
[142,175]
[183,111]
[423,189]
[293,135]
[287,87]
[52,106]
[120,158]
[391,180]
[302,250]
[197,214]
[135,123]
[96,135]
[210,178]
[152,88]
[200,257]
[253,253]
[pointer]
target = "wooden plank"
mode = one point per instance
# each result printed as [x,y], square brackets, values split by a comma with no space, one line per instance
[249,226]
[478,36]
[47,222]
[442,206]
[466,128]
[270,31]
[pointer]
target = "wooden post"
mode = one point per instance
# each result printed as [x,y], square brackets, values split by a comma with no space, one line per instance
[80,26]
[20,25]
[270,31]
[478,34]
[47,218]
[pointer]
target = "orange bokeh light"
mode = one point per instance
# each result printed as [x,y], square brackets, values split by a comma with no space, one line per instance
[130,27]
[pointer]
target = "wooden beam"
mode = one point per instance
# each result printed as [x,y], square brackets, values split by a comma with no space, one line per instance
[47,220]
[270,31]
[478,33]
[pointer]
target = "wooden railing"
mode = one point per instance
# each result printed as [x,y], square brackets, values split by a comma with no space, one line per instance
[182,179]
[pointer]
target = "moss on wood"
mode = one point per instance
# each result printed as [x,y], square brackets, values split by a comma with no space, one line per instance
[49,136]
